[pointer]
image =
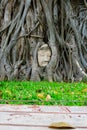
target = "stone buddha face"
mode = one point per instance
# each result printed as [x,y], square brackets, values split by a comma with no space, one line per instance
[44,55]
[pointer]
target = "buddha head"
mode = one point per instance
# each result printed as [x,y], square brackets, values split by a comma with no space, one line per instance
[44,55]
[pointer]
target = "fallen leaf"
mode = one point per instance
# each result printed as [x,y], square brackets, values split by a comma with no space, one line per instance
[72,93]
[48,97]
[62,90]
[84,90]
[8,92]
[55,92]
[40,95]
[61,125]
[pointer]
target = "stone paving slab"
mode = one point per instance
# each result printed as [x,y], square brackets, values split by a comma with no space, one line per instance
[21,117]
[31,128]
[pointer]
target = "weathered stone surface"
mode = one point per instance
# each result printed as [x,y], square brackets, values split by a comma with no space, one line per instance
[44,55]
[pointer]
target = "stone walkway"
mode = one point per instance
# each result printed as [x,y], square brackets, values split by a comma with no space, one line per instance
[24,117]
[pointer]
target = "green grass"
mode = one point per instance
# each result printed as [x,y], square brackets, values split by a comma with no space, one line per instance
[43,93]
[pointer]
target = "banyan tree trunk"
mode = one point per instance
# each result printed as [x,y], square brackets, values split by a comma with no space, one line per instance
[43,40]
